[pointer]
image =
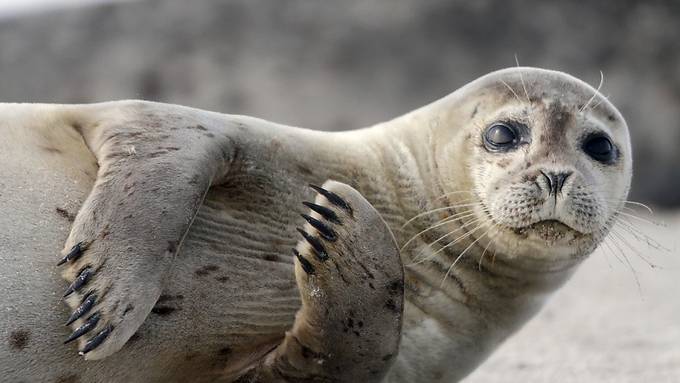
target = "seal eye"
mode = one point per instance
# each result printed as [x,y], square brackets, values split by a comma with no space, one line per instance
[600,148]
[500,136]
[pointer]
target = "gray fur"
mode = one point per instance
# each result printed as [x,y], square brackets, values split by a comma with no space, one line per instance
[188,218]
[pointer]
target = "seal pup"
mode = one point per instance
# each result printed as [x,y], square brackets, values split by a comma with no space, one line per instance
[494,194]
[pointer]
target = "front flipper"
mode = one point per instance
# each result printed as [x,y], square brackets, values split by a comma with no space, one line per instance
[351,282]
[155,167]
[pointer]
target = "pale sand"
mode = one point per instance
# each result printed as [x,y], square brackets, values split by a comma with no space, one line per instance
[600,327]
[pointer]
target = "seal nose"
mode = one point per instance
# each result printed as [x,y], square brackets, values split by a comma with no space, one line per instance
[556,180]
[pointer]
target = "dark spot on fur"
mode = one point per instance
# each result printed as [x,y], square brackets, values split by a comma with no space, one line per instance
[391,305]
[210,135]
[135,337]
[105,232]
[205,270]
[172,247]
[71,378]
[396,287]
[19,339]
[302,169]
[611,117]
[559,118]
[248,377]
[387,357]
[65,214]
[197,127]
[474,112]
[50,149]
[194,180]
[166,298]
[309,353]
[129,308]
[222,279]
[504,163]
[271,257]
[78,128]
[163,310]
[224,351]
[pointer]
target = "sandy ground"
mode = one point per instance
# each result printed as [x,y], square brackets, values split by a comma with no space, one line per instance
[601,326]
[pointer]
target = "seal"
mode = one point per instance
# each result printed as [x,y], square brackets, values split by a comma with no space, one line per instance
[187,247]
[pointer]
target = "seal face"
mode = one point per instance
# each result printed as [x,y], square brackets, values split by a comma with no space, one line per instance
[549,170]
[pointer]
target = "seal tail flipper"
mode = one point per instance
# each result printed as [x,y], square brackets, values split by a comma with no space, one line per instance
[350,277]
[156,164]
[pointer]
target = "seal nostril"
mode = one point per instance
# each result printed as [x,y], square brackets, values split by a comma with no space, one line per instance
[561,179]
[549,181]
[555,180]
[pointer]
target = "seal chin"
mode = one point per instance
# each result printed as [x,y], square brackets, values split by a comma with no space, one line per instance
[551,231]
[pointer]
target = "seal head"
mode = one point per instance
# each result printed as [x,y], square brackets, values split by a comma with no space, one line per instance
[548,161]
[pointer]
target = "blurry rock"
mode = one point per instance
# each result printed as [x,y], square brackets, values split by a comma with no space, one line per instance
[342,65]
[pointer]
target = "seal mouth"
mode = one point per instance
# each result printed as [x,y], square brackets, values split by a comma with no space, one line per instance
[550,230]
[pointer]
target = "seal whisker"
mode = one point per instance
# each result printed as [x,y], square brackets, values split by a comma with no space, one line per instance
[481,258]
[639,234]
[602,99]
[438,210]
[521,78]
[632,248]
[583,108]
[455,192]
[628,263]
[464,214]
[511,90]
[641,219]
[455,241]
[462,227]
[461,256]
[646,207]
[605,240]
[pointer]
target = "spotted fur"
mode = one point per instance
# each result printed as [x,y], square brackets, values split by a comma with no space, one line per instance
[177,202]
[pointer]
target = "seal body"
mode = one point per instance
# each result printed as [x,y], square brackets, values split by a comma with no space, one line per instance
[210,294]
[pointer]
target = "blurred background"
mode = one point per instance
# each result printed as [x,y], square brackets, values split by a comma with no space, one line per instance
[343,65]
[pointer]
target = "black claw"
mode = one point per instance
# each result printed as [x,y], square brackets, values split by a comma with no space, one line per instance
[80,281]
[84,329]
[83,309]
[323,211]
[323,229]
[316,245]
[332,197]
[96,340]
[306,265]
[75,252]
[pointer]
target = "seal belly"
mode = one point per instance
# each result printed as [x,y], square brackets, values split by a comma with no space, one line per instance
[46,174]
